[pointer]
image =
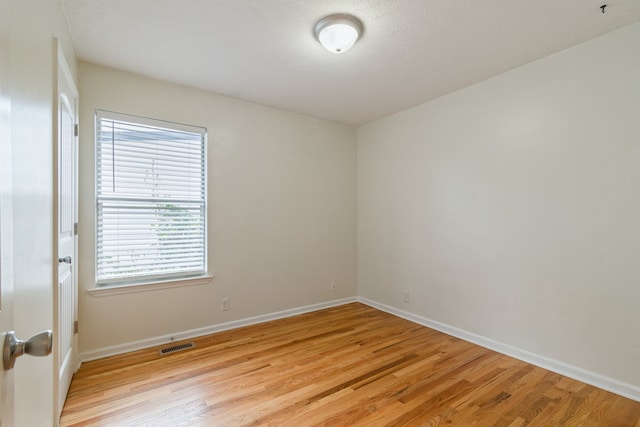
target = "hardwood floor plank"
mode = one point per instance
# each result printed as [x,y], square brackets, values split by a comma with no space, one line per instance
[344,366]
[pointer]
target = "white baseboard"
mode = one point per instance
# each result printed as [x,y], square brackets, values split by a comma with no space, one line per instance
[193,333]
[606,383]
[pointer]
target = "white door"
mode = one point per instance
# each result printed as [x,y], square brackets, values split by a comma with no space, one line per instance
[27,227]
[67,214]
[6,223]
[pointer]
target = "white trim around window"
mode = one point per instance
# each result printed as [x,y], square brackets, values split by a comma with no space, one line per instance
[151,201]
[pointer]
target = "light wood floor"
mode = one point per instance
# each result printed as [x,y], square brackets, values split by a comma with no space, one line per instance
[346,366]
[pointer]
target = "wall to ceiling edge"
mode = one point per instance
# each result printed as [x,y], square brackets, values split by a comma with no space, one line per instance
[509,211]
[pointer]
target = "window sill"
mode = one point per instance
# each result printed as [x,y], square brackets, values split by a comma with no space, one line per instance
[105,291]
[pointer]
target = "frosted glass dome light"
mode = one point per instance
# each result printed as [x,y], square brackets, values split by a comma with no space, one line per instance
[338,33]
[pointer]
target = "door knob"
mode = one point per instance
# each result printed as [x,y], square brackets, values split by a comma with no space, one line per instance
[66,260]
[37,345]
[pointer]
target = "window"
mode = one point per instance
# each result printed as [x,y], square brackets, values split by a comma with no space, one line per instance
[151,200]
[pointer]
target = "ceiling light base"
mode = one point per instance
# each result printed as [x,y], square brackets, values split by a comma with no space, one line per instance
[338,33]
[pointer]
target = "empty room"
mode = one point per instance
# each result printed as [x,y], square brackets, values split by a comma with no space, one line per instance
[340,213]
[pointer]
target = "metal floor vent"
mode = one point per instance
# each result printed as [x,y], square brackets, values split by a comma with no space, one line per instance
[174,348]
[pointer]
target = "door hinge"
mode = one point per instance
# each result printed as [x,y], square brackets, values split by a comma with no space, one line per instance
[76,130]
[75,229]
[75,327]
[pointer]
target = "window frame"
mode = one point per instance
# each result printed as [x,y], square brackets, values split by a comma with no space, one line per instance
[160,281]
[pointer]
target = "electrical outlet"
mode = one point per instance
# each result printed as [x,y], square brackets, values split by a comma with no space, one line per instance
[333,286]
[224,304]
[405,297]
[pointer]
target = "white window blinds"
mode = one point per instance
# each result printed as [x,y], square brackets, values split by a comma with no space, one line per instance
[151,199]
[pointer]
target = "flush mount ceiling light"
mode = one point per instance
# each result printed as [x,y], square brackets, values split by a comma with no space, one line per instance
[338,33]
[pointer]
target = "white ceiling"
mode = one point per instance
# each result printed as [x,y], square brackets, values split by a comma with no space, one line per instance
[264,51]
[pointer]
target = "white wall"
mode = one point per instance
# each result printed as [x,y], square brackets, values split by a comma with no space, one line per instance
[282,211]
[510,209]
[33,26]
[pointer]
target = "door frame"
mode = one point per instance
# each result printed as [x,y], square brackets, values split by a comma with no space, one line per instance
[63,72]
